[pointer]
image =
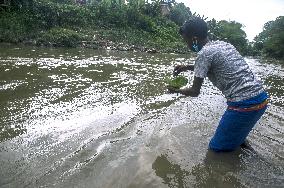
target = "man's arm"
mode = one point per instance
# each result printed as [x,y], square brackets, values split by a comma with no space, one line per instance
[181,68]
[193,91]
[190,67]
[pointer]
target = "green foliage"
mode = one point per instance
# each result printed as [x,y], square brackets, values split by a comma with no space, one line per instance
[61,37]
[136,4]
[138,22]
[166,32]
[251,51]
[48,14]
[177,82]
[271,40]
[151,9]
[20,4]
[64,1]
[229,31]
[42,22]
[139,39]
[12,27]
[180,13]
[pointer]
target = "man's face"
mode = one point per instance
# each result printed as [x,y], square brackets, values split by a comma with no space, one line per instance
[188,40]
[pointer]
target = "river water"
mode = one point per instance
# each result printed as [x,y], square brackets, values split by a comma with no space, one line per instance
[88,118]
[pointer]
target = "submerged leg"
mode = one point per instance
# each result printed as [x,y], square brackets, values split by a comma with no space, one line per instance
[233,129]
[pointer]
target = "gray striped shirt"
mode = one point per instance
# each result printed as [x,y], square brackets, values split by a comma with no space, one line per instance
[227,70]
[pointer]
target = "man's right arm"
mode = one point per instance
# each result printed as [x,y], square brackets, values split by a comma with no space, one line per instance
[190,67]
[181,68]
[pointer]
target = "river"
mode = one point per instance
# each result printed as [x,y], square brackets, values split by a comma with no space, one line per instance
[90,118]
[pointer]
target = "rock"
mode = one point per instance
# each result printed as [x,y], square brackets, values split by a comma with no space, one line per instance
[30,42]
[151,50]
[122,48]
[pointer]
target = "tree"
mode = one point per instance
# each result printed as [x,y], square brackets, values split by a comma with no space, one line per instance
[180,13]
[229,31]
[18,4]
[271,40]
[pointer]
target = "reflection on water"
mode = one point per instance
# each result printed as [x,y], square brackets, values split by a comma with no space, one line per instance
[276,89]
[85,118]
[216,170]
[219,170]
[172,174]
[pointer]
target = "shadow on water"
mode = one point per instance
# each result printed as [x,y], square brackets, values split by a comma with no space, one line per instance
[216,170]
[220,170]
[172,174]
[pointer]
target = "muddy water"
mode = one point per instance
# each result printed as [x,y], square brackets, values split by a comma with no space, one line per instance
[85,118]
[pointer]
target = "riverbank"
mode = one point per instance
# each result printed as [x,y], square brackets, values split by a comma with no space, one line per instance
[109,45]
[109,39]
[135,26]
[102,26]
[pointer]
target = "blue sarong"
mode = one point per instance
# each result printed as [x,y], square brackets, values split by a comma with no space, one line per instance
[235,125]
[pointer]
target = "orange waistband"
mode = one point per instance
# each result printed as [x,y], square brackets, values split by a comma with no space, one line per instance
[253,108]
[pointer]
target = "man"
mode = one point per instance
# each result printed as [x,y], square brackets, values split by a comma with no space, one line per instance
[228,71]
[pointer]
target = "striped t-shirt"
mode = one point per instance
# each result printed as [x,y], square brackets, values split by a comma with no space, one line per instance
[227,70]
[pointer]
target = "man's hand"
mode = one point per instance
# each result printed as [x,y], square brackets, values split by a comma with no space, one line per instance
[193,91]
[178,69]
[172,89]
[181,68]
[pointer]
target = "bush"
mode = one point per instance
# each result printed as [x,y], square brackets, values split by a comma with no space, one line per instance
[61,37]
[167,30]
[122,17]
[142,22]
[231,32]
[180,13]
[12,27]
[49,14]
[271,40]
[55,22]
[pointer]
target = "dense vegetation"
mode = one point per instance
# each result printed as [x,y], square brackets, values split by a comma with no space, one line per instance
[138,24]
[271,40]
[100,23]
[229,31]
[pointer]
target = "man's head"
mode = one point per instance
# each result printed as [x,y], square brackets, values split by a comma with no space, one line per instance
[194,31]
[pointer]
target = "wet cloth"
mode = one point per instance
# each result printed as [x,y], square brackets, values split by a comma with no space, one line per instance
[236,123]
[227,70]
